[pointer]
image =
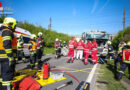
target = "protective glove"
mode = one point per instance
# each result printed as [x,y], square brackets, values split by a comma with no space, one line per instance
[11,61]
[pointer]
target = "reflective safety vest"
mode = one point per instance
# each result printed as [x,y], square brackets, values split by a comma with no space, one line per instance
[14,41]
[34,47]
[120,50]
[126,56]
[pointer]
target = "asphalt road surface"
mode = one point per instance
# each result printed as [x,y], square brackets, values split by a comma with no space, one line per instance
[78,69]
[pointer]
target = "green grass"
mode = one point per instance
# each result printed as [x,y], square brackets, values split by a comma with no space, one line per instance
[48,50]
[108,76]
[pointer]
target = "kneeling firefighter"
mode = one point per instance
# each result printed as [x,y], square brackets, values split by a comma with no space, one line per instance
[20,53]
[126,60]
[57,48]
[32,49]
[7,62]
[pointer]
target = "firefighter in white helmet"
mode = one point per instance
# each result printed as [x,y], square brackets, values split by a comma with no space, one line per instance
[39,51]
[32,49]
[20,53]
[7,61]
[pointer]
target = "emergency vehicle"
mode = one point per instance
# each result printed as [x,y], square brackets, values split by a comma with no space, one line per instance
[26,37]
[101,37]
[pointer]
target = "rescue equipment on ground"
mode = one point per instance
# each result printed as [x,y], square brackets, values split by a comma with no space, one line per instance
[63,85]
[45,71]
[101,60]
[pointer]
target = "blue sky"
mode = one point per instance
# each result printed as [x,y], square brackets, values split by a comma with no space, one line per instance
[72,16]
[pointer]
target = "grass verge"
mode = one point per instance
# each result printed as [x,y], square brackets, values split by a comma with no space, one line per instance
[108,77]
[48,50]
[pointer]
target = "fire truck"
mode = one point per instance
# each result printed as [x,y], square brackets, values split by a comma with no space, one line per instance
[101,37]
[26,37]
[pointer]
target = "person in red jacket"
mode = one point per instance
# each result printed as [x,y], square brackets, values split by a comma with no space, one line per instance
[71,50]
[80,47]
[94,51]
[87,51]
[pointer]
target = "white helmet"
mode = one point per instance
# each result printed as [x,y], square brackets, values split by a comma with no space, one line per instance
[64,41]
[109,42]
[33,36]
[40,34]
[57,39]
[19,35]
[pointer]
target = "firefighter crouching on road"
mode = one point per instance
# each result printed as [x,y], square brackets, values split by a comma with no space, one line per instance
[20,53]
[94,51]
[39,51]
[57,48]
[72,45]
[87,50]
[7,61]
[110,52]
[32,49]
[126,60]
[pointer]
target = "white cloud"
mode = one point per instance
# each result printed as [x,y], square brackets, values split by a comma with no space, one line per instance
[107,1]
[94,6]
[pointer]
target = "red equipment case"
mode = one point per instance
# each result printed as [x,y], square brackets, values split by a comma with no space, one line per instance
[29,84]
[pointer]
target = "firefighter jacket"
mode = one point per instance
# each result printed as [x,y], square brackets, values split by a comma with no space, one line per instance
[94,45]
[72,44]
[120,51]
[110,49]
[6,41]
[126,54]
[57,44]
[32,47]
[87,47]
[80,45]
[39,43]
[20,44]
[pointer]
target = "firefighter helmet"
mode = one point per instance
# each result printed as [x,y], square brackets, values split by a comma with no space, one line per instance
[33,36]
[40,34]
[57,39]
[19,35]
[109,42]
[10,22]
[64,41]
[128,43]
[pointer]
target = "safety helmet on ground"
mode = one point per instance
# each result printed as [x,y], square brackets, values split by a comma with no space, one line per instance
[57,39]
[33,36]
[40,34]
[109,42]
[10,22]
[128,43]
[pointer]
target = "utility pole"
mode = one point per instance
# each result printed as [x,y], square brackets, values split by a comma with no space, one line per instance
[49,26]
[124,20]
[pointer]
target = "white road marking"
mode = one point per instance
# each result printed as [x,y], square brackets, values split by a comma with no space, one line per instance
[89,79]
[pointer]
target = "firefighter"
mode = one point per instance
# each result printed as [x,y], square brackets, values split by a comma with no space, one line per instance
[40,48]
[64,49]
[32,50]
[110,51]
[126,60]
[57,48]
[7,61]
[80,47]
[119,57]
[72,45]
[20,53]
[94,51]
[87,51]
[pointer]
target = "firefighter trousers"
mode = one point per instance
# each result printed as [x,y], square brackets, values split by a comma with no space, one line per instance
[20,54]
[122,69]
[32,60]
[39,54]
[6,73]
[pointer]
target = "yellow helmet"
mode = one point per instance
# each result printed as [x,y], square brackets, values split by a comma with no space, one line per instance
[128,43]
[10,22]
[109,42]
[19,35]
[33,36]
[40,34]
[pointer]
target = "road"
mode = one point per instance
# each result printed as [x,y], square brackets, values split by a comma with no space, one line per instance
[78,69]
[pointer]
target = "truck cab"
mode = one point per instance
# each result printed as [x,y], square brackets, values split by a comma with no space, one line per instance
[101,37]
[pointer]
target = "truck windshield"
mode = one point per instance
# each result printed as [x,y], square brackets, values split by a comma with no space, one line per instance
[96,36]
